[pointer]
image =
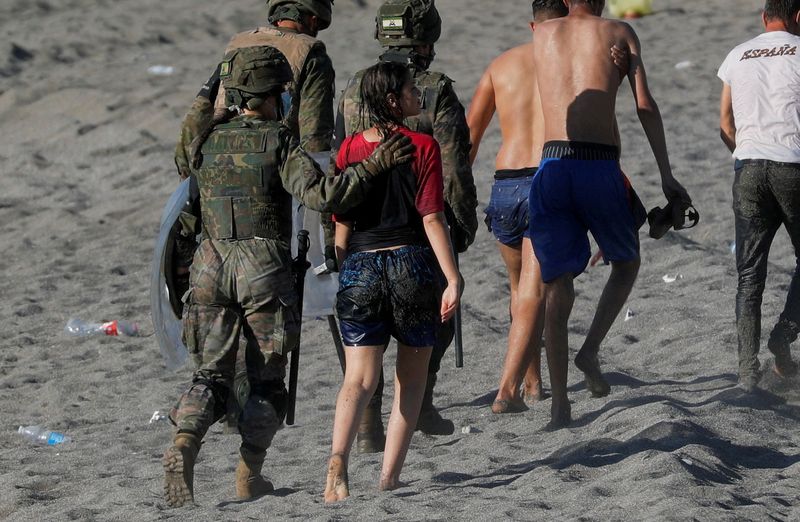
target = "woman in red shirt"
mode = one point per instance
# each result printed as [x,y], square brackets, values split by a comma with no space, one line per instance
[395,247]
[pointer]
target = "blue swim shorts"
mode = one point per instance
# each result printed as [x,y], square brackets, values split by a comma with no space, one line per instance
[389,293]
[579,187]
[507,213]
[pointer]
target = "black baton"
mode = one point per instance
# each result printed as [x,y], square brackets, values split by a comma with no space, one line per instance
[457,320]
[337,340]
[300,266]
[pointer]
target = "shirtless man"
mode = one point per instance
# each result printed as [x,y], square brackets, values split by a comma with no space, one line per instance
[579,185]
[505,89]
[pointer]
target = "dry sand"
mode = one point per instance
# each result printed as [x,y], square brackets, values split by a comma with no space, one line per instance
[86,156]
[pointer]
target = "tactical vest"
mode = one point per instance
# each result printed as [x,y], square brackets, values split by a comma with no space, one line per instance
[241,193]
[430,85]
[295,46]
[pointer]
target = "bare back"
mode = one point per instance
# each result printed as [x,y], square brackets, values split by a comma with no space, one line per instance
[518,109]
[577,78]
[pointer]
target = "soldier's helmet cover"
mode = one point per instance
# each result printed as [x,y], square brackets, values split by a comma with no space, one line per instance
[322,9]
[251,72]
[406,23]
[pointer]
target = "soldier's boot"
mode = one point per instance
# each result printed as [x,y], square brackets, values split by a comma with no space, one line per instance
[370,437]
[178,465]
[249,482]
[430,420]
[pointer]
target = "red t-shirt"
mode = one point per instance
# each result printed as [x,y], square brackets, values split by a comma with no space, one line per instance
[427,166]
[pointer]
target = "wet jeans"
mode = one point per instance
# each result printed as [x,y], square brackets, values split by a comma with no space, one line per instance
[766,194]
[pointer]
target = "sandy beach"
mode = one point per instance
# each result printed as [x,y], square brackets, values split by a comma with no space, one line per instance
[88,132]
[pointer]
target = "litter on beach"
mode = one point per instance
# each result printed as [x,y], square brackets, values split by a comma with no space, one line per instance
[158,417]
[670,278]
[629,315]
[683,65]
[161,70]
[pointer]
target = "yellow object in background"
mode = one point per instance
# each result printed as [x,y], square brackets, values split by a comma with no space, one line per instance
[630,8]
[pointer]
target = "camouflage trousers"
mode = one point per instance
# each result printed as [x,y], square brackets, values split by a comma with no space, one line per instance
[239,287]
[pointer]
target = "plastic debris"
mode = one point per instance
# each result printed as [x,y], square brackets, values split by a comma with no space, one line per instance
[733,247]
[158,417]
[161,70]
[672,278]
[629,315]
[686,461]
[80,328]
[683,65]
[42,436]
[466,430]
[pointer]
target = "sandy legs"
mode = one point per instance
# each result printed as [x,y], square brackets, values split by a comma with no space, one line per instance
[524,338]
[615,293]
[560,296]
[361,378]
[409,387]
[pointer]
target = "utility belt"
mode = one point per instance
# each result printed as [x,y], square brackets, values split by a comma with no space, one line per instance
[233,217]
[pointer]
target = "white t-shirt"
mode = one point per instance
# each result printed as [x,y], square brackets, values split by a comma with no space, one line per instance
[764,76]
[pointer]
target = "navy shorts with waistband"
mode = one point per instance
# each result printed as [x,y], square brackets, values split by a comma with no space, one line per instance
[389,293]
[507,213]
[579,187]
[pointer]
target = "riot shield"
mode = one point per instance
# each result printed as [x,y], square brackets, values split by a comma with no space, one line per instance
[165,304]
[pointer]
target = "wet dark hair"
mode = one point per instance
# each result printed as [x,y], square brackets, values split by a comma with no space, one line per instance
[554,6]
[590,3]
[380,80]
[783,10]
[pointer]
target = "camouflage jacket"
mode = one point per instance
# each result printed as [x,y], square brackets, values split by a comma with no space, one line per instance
[249,168]
[311,117]
[443,118]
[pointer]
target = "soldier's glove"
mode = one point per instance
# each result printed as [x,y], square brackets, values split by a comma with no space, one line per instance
[393,151]
[461,234]
[460,237]
[211,87]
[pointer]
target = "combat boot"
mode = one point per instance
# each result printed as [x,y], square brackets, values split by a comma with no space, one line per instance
[430,421]
[249,482]
[371,438]
[178,465]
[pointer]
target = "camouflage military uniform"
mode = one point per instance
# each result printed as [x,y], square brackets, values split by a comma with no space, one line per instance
[312,91]
[241,278]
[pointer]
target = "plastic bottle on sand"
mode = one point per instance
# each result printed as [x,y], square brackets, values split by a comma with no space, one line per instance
[39,435]
[118,327]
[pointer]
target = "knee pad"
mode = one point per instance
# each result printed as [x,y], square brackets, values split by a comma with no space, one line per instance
[259,422]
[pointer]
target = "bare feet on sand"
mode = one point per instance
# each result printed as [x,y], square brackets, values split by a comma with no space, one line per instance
[590,366]
[533,394]
[508,406]
[389,483]
[560,416]
[336,486]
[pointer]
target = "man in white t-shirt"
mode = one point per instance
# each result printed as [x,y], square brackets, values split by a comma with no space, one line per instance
[760,124]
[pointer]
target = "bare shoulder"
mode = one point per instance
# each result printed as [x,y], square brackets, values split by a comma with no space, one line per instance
[511,58]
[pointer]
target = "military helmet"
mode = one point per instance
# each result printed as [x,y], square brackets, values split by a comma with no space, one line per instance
[406,23]
[322,9]
[252,71]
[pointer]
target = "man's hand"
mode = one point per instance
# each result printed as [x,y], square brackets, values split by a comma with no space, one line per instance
[675,191]
[393,151]
[622,60]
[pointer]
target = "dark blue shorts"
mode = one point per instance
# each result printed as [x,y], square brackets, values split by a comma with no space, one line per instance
[507,213]
[572,194]
[389,293]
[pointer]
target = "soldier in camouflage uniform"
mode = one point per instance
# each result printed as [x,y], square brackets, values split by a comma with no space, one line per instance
[293,30]
[408,29]
[247,169]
